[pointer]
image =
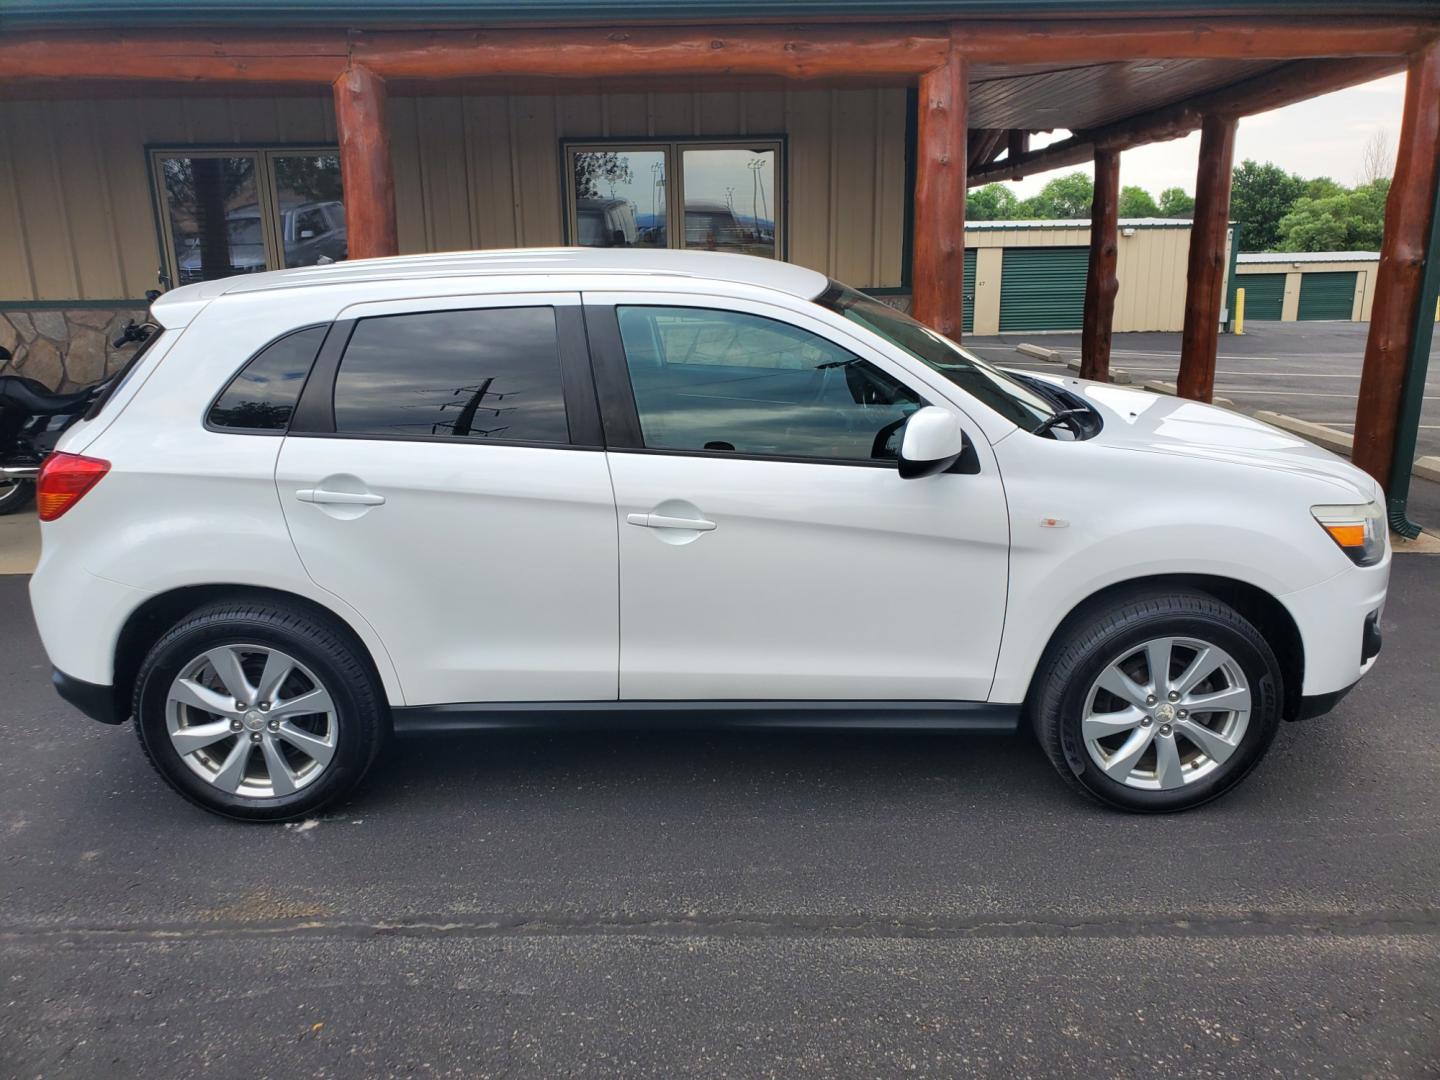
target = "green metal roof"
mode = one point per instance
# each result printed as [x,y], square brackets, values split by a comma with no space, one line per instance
[18,14]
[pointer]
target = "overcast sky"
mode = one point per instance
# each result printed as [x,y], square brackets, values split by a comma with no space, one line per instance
[1324,136]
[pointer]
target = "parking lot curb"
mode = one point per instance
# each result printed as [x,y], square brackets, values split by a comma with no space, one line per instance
[1039,352]
[1159,386]
[1119,376]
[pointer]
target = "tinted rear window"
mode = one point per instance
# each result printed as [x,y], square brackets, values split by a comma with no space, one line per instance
[263,395]
[492,373]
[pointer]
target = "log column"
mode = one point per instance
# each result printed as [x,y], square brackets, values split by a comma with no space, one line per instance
[1204,297]
[1394,318]
[938,262]
[365,170]
[1101,284]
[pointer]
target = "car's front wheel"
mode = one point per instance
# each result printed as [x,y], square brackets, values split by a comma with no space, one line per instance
[1158,702]
[258,712]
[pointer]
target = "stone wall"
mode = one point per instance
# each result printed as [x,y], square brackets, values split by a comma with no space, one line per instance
[65,348]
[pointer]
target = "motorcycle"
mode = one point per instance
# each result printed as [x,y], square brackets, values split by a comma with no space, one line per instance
[33,417]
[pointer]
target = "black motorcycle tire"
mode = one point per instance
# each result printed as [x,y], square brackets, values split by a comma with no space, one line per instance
[16,496]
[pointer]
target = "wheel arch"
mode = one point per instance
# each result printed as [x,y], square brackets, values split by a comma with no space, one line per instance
[150,621]
[1261,608]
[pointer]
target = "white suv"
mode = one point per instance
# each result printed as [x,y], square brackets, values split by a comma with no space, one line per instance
[573,487]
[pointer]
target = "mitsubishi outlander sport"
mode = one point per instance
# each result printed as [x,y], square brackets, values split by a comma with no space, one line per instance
[582,487]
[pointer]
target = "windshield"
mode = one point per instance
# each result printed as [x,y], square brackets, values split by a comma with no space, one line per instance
[1007,396]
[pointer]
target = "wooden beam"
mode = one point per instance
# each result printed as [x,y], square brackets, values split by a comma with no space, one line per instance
[898,50]
[1399,280]
[938,259]
[1101,283]
[1292,83]
[984,144]
[365,170]
[1018,145]
[1204,296]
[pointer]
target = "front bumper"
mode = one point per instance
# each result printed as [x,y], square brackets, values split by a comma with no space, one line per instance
[94,700]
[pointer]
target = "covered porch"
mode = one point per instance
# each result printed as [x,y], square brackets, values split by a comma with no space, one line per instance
[864,136]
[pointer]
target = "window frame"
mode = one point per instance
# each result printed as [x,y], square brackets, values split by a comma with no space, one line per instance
[314,415]
[272,227]
[621,415]
[673,147]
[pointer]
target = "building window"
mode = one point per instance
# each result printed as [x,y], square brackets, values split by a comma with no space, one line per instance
[242,210]
[631,195]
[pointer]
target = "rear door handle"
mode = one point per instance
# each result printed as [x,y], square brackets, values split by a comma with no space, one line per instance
[343,498]
[665,521]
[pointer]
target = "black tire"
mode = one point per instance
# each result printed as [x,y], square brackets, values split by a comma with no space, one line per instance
[324,646]
[16,497]
[1096,636]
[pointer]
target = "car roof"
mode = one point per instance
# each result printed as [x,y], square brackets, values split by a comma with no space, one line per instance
[699,265]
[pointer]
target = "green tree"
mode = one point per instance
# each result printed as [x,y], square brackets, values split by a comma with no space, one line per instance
[1174,203]
[1067,196]
[993,202]
[1137,202]
[1322,187]
[1343,221]
[1260,196]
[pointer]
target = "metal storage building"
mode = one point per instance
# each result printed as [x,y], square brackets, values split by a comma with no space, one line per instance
[1290,286]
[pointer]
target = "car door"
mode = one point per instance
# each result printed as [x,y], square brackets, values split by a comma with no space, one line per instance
[444,475]
[768,547]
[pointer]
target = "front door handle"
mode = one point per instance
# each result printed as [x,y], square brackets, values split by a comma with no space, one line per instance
[341,498]
[665,521]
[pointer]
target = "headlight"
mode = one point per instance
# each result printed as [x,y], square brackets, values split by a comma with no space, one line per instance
[1359,530]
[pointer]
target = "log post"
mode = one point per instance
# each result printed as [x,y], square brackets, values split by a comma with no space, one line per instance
[1204,296]
[938,259]
[1101,284]
[1017,145]
[1399,279]
[365,171]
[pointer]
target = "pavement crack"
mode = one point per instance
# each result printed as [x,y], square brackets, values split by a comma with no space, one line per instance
[1424,922]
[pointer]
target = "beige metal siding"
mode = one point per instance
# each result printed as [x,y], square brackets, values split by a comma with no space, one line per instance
[76,215]
[1151,266]
[1364,281]
[77,219]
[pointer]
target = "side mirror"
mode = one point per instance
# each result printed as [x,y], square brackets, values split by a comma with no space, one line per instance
[930,443]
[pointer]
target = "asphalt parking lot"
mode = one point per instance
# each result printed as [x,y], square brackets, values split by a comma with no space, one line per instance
[1308,370]
[645,905]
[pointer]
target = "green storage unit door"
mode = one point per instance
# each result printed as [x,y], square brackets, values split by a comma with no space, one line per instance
[1264,295]
[1043,288]
[967,315]
[1328,294]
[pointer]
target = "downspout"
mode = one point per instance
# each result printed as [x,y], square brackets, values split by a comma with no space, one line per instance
[1234,280]
[1412,399]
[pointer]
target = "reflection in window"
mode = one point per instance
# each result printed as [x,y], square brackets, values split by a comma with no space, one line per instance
[245,211]
[619,198]
[312,215]
[214,213]
[492,373]
[726,197]
[729,200]
[263,395]
[729,382]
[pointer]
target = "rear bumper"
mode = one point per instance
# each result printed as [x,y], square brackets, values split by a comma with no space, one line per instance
[94,700]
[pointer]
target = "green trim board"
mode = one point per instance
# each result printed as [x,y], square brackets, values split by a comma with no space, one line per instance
[1264,296]
[1328,295]
[1043,288]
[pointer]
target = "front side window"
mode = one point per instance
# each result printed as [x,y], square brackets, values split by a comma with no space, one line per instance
[1007,396]
[486,374]
[263,395]
[730,382]
[696,194]
[245,210]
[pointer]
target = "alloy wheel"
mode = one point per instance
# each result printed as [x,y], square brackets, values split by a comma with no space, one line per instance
[251,720]
[1166,713]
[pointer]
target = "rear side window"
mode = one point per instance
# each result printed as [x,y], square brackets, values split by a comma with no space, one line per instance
[492,373]
[263,395]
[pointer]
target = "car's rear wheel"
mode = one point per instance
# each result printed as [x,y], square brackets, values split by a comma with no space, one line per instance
[1157,703]
[258,712]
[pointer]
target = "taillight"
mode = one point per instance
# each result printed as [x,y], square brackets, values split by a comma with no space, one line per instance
[63,479]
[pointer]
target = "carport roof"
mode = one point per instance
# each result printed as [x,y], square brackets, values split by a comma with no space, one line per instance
[89,13]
